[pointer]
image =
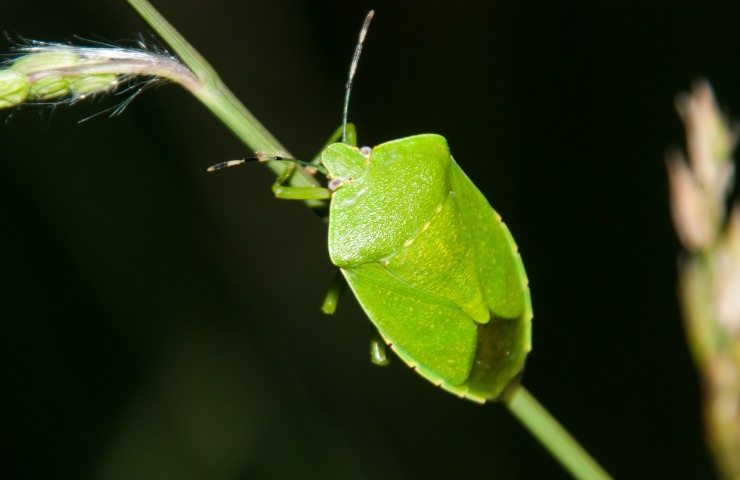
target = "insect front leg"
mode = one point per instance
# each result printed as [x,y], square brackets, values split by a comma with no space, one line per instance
[337,136]
[310,193]
[351,134]
[297,193]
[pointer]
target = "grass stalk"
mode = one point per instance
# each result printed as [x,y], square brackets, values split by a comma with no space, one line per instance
[545,428]
[217,97]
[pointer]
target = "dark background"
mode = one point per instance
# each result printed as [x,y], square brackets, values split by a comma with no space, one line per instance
[158,322]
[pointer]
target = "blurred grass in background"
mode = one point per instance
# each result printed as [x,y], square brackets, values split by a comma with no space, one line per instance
[158,322]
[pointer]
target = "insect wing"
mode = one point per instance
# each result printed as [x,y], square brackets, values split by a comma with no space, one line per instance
[431,334]
[505,340]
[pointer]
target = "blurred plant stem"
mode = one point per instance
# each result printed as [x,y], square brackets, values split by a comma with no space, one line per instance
[556,439]
[709,271]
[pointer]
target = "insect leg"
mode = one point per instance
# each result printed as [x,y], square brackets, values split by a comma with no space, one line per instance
[351,135]
[335,137]
[378,352]
[338,284]
[297,193]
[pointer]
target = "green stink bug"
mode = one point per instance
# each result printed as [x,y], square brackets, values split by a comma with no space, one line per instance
[430,262]
[428,259]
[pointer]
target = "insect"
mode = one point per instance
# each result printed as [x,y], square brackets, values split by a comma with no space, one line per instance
[429,260]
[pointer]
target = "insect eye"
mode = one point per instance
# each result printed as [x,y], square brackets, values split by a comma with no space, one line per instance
[366,151]
[335,183]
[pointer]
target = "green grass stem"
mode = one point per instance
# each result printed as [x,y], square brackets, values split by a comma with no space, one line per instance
[554,437]
[221,101]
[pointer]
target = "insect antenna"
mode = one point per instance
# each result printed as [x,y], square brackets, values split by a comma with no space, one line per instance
[352,70]
[222,165]
[262,159]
